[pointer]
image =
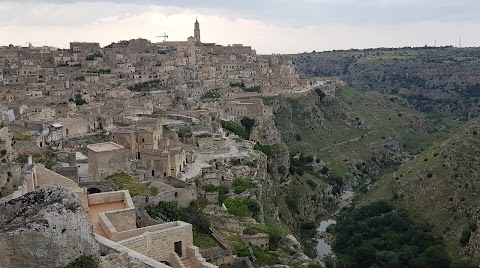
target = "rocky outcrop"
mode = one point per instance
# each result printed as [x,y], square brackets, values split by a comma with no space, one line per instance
[120,260]
[45,228]
[265,132]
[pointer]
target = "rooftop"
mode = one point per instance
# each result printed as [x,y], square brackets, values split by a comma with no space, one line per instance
[105,147]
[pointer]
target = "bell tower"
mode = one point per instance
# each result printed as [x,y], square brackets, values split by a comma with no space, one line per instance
[196,31]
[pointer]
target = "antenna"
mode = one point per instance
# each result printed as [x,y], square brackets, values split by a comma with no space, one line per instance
[460,43]
[435,43]
[164,36]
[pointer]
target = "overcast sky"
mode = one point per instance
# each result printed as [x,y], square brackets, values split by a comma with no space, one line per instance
[270,26]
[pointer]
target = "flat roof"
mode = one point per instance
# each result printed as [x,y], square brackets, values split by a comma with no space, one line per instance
[105,147]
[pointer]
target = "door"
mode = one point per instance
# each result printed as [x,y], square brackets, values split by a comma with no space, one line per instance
[178,248]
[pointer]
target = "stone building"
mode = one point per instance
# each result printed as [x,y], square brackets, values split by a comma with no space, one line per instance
[84,48]
[141,136]
[164,163]
[73,127]
[105,159]
[259,240]
[252,108]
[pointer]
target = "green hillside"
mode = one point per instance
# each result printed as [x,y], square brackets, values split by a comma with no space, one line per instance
[442,186]
[356,130]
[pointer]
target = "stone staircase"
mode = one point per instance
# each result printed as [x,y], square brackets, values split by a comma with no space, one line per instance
[187,263]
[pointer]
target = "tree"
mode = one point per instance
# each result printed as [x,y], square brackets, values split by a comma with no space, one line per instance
[79,100]
[320,93]
[465,236]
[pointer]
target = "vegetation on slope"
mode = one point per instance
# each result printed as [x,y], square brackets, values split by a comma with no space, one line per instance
[241,129]
[441,186]
[358,128]
[378,235]
[83,262]
[127,182]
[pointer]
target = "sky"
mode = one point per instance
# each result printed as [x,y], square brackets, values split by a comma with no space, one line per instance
[269,26]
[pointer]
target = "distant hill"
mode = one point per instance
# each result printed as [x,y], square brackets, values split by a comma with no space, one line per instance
[442,186]
[443,79]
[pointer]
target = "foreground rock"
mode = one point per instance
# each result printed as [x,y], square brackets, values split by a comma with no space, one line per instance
[120,260]
[45,228]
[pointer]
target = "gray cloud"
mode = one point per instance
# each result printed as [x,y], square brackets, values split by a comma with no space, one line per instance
[316,12]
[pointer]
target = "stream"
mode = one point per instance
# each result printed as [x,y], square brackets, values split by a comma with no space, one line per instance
[323,248]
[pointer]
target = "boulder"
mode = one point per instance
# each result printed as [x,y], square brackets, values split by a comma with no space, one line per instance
[45,228]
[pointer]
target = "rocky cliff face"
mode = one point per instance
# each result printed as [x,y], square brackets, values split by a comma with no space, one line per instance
[286,198]
[45,228]
[266,133]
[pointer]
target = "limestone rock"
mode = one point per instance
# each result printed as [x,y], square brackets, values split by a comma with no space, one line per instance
[120,260]
[45,228]
[291,241]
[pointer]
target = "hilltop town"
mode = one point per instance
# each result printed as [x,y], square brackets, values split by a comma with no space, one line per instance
[144,134]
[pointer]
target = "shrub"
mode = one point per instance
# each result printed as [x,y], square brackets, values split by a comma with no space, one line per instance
[248,124]
[170,211]
[292,204]
[324,170]
[203,241]
[242,207]
[320,93]
[266,149]
[236,128]
[240,185]
[473,226]
[83,262]
[465,236]
[312,184]
[211,95]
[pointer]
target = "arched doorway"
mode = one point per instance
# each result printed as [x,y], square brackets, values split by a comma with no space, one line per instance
[93,190]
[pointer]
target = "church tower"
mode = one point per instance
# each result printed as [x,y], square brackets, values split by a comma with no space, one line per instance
[196,31]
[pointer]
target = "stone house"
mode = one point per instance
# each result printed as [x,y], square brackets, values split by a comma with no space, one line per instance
[163,163]
[211,178]
[73,127]
[105,159]
[212,197]
[259,240]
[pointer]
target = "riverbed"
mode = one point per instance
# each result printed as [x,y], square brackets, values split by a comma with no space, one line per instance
[323,248]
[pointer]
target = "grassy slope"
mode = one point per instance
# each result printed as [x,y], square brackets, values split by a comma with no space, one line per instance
[440,185]
[342,145]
